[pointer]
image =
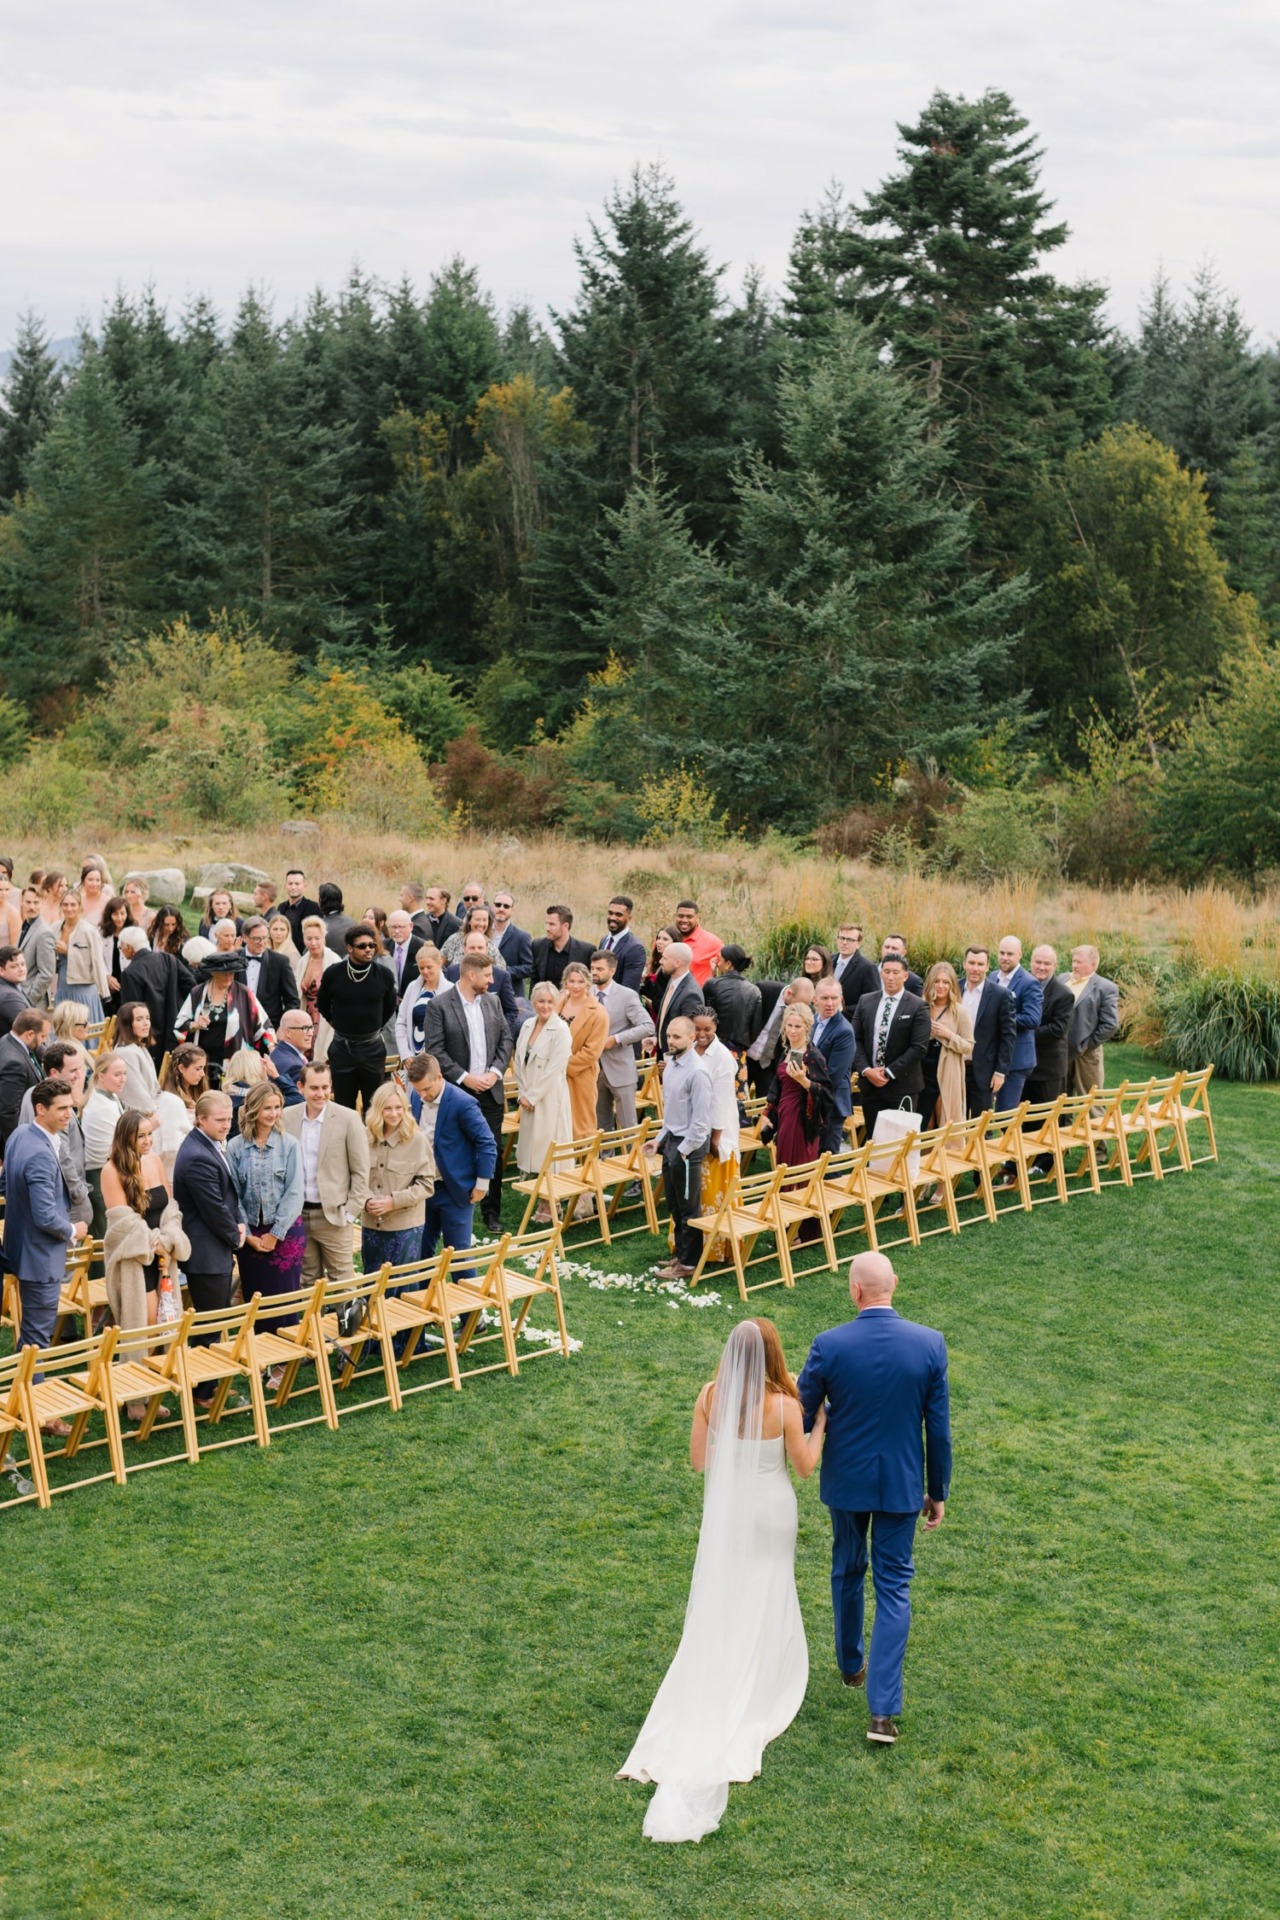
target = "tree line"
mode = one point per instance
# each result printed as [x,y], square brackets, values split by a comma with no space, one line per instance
[842,559]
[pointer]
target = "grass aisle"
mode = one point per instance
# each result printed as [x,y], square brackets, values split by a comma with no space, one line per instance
[392,1671]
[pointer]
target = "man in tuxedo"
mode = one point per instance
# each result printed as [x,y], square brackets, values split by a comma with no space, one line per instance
[466,1032]
[833,1037]
[403,950]
[891,1034]
[334,1148]
[552,955]
[619,940]
[296,906]
[1095,1018]
[1048,1078]
[853,970]
[464,1150]
[289,1055]
[512,942]
[762,1054]
[682,996]
[13,1001]
[1027,995]
[20,1069]
[630,1025]
[268,975]
[888,1442]
[991,1010]
[894,943]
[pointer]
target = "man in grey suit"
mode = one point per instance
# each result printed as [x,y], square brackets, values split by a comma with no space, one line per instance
[1094,1020]
[466,1031]
[630,1025]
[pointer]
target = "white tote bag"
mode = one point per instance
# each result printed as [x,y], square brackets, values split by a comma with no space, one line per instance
[893,1124]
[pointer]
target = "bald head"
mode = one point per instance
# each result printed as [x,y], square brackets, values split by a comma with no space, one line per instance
[871,1280]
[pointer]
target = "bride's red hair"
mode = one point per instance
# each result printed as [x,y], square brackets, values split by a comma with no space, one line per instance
[777,1379]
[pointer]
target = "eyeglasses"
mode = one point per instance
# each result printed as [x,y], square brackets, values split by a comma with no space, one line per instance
[473,899]
[506,905]
[358,946]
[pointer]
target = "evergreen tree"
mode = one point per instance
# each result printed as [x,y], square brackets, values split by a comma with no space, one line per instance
[463,352]
[28,400]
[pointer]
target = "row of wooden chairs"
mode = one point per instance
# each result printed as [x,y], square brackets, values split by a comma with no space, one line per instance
[373,1327]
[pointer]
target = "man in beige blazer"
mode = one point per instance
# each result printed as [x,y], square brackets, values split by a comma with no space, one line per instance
[335,1174]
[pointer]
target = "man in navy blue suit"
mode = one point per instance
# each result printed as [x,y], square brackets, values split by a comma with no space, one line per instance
[464,1149]
[512,942]
[994,1017]
[1027,995]
[38,1225]
[629,953]
[888,1442]
[833,1037]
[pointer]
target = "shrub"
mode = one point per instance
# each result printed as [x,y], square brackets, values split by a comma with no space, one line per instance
[1231,1020]
[780,949]
[680,806]
[851,835]
[483,790]
[997,832]
[48,793]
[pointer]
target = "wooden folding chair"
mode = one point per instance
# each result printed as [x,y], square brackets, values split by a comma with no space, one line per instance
[625,1159]
[82,1296]
[60,1395]
[649,1089]
[419,1303]
[93,1039]
[1041,1139]
[11,1304]
[999,1144]
[745,1211]
[501,1281]
[962,1158]
[290,1348]
[567,1175]
[225,1354]
[1193,1110]
[801,1199]
[887,1174]
[15,1383]
[935,1192]
[147,1377]
[749,1140]
[1112,1126]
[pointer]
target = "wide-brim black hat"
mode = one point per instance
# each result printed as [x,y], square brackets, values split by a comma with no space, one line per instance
[234,962]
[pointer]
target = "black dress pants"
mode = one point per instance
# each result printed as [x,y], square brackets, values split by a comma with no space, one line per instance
[358,1066]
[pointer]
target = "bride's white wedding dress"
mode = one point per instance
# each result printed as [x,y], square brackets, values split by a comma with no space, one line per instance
[742,1666]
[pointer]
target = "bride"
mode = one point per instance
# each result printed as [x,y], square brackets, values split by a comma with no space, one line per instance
[742,1665]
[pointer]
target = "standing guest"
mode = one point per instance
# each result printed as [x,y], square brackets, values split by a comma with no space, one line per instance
[10,911]
[467,1034]
[1049,1076]
[682,996]
[39,944]
[891,1033]
[588,1025]
[478,919]
[462,1147]
[335,1174]
[280,937]
[357,999]
[220,906]
[311,963]
[290,1054]
[169,935]
[98,1121]
[13,1001]
[653,983]
[1095,1019]
[82,972]
[622,943]
[337,921]
[735,1000]
[149,978]
[412,1017]
[221,1015]
[720,1168]
[137,1194]
[440,923]
[413,900]
[1026,993]
[94,890]
[297,907]
[851,966]
[133,1043]
[833,1039]
[402,1178]
[816,965]
[629,1026]
[704,947]
[471,894]
[683,1142]
[225,935]
[513,943]
[185,1080]
[203,1189]
[992,1014]
[65,1060]
[240,1071]
[376,917]
[799,1106]
[134,895]
[500,984]
[38,1228]
[884,1382]
[265,895]
[115,918]
[20,1052]
[942,1098]
[541,1059]
[895,943]
[762,1054]
[552,955]
[404,943]
[268,975]
[265,1165]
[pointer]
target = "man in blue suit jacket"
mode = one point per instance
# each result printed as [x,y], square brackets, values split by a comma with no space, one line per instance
[994,1033]
[885,1383]
[464,1148]
[833,1037]
[38,1227]
[1027,995]
[629,952]
[512,942]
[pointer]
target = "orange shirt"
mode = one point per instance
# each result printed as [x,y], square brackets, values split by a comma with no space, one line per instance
[705,949]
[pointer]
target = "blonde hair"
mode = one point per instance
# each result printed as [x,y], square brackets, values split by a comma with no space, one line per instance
[936,972]
[254,1101]
[801,1012]
[312,920]
[374,1124]
[67,1015]
[244,1069]
[103,1062]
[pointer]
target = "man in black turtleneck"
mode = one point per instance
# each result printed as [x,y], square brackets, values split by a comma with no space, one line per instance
[357,999]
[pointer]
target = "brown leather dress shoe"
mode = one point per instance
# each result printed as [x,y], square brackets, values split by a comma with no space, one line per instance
[882,1732]
[855,1679]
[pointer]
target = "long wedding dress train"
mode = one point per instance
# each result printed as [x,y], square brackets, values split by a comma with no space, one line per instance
[740,1672]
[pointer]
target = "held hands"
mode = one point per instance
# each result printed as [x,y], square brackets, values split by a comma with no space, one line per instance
[933,1511]
[380,1204]
[876,1075]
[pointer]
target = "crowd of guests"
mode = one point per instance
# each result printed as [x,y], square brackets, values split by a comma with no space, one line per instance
[243,1120]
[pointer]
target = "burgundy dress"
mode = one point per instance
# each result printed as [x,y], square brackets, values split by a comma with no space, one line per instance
[793,1145]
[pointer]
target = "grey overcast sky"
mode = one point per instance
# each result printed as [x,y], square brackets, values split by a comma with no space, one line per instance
[278,143]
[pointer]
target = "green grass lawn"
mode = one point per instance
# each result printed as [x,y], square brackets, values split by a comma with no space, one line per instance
[393,1669]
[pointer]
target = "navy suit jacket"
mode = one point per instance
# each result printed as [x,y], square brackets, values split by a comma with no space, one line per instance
[994,1033]
[1028,1003]
[207,1201]
[37,1206]
[885,1381]
[288,1063]
[836,1048]
[516,948]
[632,959]
[464,1147]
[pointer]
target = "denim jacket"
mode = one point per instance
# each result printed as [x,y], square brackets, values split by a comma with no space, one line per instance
[267,1180]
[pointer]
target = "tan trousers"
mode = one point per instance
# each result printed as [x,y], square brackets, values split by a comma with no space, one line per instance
[329,1250]
[1086,1070]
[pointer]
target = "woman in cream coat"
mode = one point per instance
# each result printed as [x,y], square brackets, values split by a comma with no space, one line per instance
[541,1062]
[950,1045]
[307,968]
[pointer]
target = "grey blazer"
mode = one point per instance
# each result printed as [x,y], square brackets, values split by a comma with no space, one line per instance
[630,1023]
[1095,1018]
[447,1036]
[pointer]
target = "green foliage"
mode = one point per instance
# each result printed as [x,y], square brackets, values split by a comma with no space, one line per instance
[680,806]
[778,952]
[426,705]
[49,792]
[997,832]
[1106,804]
[1231,1019]
[1219,806]
[28,402]
[14,731]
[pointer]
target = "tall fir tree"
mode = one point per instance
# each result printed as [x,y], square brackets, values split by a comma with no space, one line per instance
[28,400]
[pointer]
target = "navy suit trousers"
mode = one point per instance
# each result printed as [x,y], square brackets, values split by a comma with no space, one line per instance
[892,1536]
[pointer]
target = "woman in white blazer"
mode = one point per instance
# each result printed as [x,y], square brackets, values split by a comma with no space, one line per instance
[541,1059]
[307,968]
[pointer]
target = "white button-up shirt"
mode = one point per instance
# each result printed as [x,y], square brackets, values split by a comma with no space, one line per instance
[474,1014]
[311,1159]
